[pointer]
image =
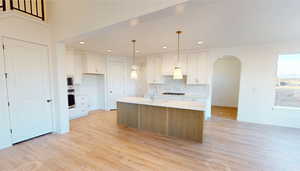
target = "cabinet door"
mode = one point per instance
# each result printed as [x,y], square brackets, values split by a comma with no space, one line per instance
[69,61]
[192,63]
[150,66]
[94,64]
[183,64]
[77,68]
[158,70]
[197,65]
[154,70]
[168,64]
[202,74]
[87,64]
[100,65]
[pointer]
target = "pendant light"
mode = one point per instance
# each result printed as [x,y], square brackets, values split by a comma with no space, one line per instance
[133,74]
[177,74]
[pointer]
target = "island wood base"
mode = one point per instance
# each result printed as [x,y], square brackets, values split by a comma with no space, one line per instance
[187,124]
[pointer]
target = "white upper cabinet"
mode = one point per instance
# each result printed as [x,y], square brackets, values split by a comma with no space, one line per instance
[170,61]
[197,68]
[74,65]
[154,70]
[93,64]
[77,68]
[69,61]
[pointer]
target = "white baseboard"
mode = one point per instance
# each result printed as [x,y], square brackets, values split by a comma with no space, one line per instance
[75,116]
[5,146]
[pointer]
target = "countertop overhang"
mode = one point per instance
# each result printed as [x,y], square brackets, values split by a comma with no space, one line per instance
[188,105]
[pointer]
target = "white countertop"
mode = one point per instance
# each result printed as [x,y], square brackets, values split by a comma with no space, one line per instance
[189,105]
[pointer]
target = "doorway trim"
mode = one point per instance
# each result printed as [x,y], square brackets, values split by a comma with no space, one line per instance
[110,59]
[212,75]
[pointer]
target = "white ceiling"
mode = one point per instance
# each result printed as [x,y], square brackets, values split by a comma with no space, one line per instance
[219,23]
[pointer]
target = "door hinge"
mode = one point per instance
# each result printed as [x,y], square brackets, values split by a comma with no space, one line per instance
[3,47]
[11,131]
[6,75]
[8,104]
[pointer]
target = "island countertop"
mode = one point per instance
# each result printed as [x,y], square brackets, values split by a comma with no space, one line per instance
[189,105]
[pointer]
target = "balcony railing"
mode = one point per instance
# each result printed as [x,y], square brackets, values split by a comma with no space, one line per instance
[3,5]
[34,8]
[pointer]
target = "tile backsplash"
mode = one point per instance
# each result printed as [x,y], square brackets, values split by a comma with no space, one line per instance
[179,86]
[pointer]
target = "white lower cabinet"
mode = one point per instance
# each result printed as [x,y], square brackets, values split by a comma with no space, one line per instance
[81,107]
[154,70]
[197,69]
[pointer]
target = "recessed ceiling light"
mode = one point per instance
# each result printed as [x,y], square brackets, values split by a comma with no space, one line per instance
[82,43]
[180,9]
[200,42]
[165,47]
[133,22]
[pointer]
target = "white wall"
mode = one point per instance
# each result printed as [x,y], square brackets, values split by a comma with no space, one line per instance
[258,80]
[226,82]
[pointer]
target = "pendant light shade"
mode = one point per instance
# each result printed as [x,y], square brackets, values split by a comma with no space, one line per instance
[134,74]
[177,73]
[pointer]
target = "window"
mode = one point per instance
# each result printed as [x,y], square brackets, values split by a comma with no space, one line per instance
[288,84]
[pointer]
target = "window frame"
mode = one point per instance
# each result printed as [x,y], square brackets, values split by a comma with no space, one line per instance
[279,107]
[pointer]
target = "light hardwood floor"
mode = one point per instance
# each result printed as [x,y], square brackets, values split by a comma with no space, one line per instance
[224,112]
[96,143]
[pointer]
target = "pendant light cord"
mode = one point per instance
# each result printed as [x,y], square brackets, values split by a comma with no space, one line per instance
[133,41]
[178,45]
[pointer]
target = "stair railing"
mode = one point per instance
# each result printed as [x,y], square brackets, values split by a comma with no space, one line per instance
[34,8]
[3,5]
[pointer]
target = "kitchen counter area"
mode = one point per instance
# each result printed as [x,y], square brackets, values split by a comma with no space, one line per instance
[182,119]
[189,105]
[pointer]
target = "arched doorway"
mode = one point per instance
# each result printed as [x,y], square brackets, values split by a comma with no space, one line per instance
[225,87]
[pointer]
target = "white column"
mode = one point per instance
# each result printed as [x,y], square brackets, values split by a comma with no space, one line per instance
[62,123]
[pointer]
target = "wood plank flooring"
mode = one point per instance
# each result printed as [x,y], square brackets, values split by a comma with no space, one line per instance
[96,143]
[224,112]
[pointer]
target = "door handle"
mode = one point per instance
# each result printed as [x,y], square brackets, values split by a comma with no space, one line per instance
[110,91]
[49,101]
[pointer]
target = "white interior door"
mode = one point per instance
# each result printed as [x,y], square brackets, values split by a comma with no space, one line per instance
[28,88]
[116,82]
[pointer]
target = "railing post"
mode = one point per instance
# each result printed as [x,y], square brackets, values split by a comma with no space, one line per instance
[43,10]
[4,5]
[11,4]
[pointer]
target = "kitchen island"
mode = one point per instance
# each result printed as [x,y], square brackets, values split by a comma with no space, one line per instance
[183,119]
